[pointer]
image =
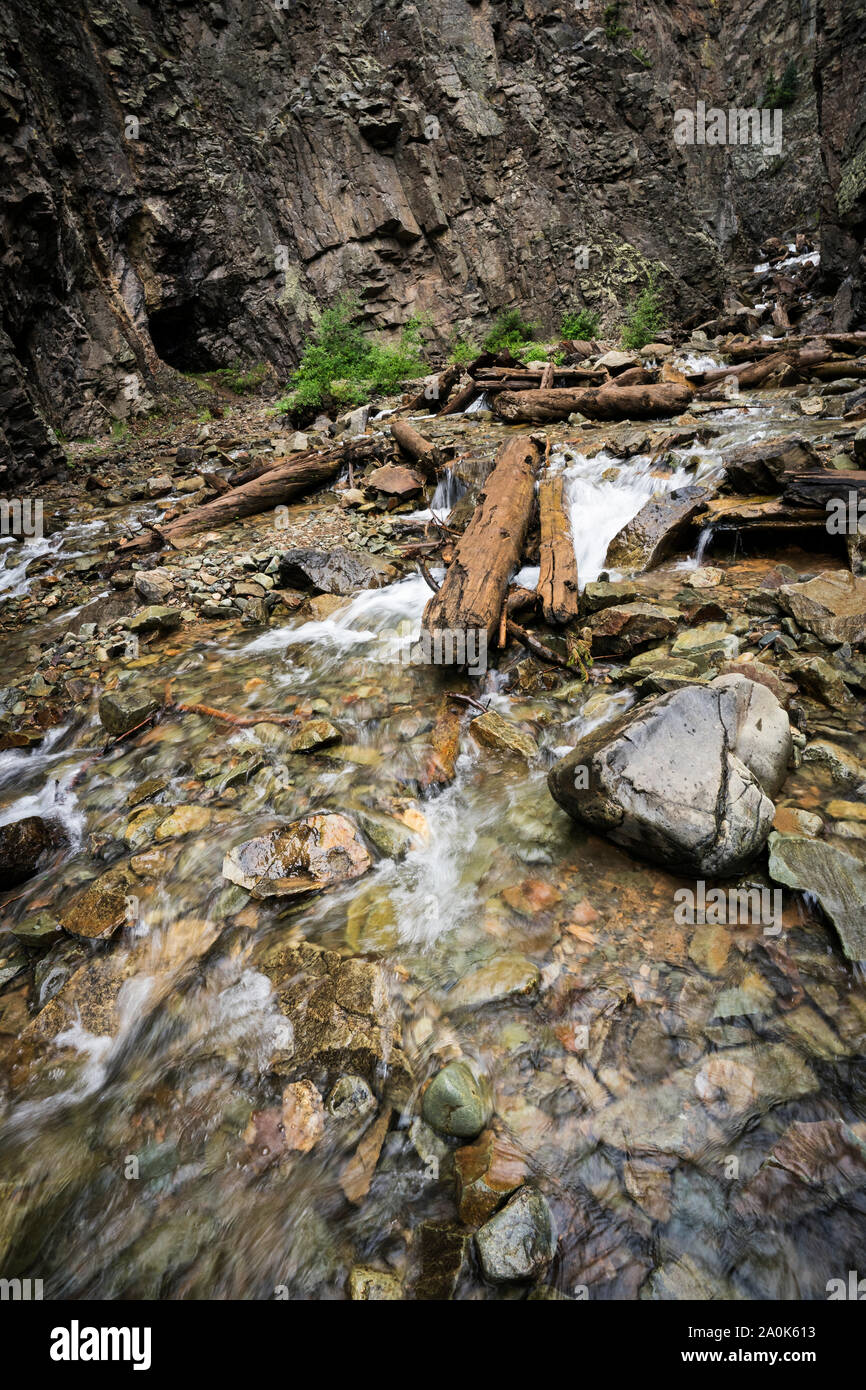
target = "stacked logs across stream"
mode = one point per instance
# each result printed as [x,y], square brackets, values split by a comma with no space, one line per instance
[475,599]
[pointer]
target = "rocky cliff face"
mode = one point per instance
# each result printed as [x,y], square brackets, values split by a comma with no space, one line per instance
[187,180]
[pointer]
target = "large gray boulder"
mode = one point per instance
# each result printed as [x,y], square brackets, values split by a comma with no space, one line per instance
[687,779]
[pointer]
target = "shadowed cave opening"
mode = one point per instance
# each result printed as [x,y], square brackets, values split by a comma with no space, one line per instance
[175,333]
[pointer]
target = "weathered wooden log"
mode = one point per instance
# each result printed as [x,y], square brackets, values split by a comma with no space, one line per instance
[487,554]
[547,377]
[435,394]
[598,403]
[419,449]
[279,485]
[557,583]
[464,397]
[634,376]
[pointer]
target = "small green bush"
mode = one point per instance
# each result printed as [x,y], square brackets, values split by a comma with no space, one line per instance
[510,331]
[535,352]
[612,27]
[462,351]
[644,317]
[579,323]
[781,91]
[341,365]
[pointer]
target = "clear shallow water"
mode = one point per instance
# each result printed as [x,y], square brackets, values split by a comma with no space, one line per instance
[173,1070]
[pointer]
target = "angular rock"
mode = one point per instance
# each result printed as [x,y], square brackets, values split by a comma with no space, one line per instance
[303,857]
[395,481]
[519,1242]
[629,627]
[832,606]
[154,586]
[496,732]
[303,1116]
[23,846]
[122,710]
[341,1015]
[686,778]
[154,618]
[100,907]
[487,1172]
[369,1285]
[504,977]
[836,879]
[313,734]
[442,1253]
[335,571]
[760,468]
[660,527]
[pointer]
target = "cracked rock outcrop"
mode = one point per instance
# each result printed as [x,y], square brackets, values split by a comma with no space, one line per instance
[686,779]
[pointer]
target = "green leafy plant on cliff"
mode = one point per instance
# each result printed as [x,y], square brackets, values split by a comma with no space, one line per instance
[612,27]
[579,323]
[644,317]
[781,91]
[510,332]
[342,365]
[462,351]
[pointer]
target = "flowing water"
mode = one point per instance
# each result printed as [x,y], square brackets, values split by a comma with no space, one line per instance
[135,1154]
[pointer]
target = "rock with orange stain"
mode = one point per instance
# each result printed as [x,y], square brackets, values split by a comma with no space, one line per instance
[303,1116]
[487,1172]
[531,896]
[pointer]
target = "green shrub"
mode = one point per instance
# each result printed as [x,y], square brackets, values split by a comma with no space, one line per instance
[535,352]
[612,27]
[462,351]
[579,323]
[781,91]
[644,317]
[510,331]
[641,55]
[340,364]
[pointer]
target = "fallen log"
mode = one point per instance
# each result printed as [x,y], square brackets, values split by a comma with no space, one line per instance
[598,403]
[435,394]
[275,487]
[557,583]
[464,397]
[487,554]
[419,449]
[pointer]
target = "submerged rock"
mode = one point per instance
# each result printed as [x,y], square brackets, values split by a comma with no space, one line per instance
[836,879]
[100,907]
[504,977]
[496,732]
[341,1015]
[487,1172]
[457,1102]
[686,778]
[368,1285]
[519,1242]
[23,846]
[122,710]
[303,857]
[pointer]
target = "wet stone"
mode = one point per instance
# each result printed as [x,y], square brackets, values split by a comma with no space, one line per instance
[123,710]
[457,1101]
[519,1242]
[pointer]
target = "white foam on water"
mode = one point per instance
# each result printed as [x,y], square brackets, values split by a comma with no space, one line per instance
[599,507]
